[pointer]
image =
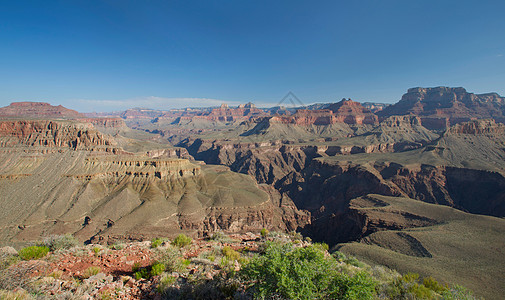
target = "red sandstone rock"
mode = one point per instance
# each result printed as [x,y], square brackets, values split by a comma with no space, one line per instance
[38,110]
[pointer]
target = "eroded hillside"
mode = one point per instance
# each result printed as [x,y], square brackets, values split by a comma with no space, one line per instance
[66,177]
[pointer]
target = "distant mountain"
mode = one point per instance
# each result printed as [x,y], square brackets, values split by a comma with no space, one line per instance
[454,104]
[37,110]
[374,106]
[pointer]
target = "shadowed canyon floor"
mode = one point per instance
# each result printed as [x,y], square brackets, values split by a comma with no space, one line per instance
[443,242]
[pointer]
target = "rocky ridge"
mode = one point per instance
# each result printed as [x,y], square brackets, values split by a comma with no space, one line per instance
[443,103]
[37,110]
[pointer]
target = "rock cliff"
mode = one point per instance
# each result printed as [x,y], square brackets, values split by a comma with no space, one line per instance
[454,104]
[37,110]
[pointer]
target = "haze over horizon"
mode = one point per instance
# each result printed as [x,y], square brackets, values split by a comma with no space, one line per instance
[113,55]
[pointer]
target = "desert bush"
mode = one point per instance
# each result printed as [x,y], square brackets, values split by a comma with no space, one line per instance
[303,273]
[339,256]
[322,246]
[360,286]
[166,281]
[433,285]
[408,287]
[458,292]
[172,259]
[117,246]
[33,252]
[295,236]
[96,250]
[142,273]
[15,295]
[351,260]
[91,271]
[157,269]
[8,258]
[57,242]
[182,241]
[264,232]
[230,254]
[156,242]
[219,236]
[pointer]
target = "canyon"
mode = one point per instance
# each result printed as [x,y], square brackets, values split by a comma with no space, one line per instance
[353,176]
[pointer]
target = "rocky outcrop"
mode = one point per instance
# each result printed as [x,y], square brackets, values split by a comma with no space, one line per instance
[352,112]
[267,162]
[326,188]
[46,133]
[37,110]
[112,123]
[374,106]
[345,111]
[478,127]
[227,114]
[455,104]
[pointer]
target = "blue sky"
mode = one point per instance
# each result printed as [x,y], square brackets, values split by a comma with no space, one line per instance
[109,55]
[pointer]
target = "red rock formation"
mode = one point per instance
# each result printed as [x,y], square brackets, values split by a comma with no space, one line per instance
[38,110]
[52,134]
[478,127]
[224,113]
[106,122]
[345,111]
[455,104]
[351,112]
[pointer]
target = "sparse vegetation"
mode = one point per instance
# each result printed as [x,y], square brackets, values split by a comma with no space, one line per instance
[33,252]
[93,270]
[155,269]
[156,242]
[57,242]
[279,269]
[230,254]
[172,259]
[182,241]
[96,250]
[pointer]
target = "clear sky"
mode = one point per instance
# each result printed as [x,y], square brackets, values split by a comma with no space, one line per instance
[109,55]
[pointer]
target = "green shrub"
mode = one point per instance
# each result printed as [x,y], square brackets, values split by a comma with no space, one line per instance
[57,242]
[142,273]
[171,257]
[96,250]
[458,292]
[407,287]
[157,269]
[359,286]
[322,246]
[351,260]
[91,271]
[339,256]
[288,272]
[135,267]
[295,236]
[33,252]
[156,242]
[230,254]
[153,270]
[433,285]
[182,241]
[264,232]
